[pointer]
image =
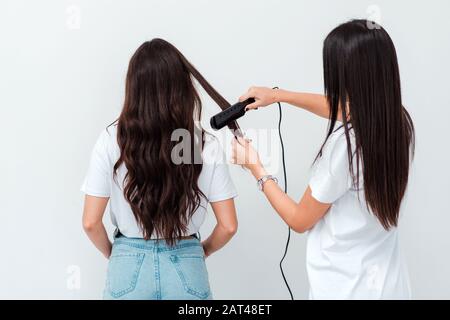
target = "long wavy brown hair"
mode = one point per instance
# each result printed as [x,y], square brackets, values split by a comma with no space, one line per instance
[160,97]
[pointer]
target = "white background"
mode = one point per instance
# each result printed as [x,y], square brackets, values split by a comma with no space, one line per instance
[62,82]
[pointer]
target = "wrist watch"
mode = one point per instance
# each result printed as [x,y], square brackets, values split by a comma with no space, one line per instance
[263,180]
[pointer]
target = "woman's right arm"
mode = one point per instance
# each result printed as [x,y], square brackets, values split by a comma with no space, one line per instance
[225,228]
[315,103]
[94,208]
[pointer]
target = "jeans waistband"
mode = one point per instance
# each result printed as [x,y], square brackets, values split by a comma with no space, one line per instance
[159,244]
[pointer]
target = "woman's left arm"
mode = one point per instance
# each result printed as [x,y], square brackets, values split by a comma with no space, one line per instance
[94,208]
[300,216]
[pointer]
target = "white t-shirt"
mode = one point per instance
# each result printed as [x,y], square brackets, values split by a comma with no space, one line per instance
[349,254]
[214,181]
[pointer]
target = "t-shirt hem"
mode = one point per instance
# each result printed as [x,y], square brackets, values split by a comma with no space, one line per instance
[95,194]
[222,198]
[318,195]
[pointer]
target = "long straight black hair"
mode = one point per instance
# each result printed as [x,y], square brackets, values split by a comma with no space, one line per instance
[362,85]
[160,97]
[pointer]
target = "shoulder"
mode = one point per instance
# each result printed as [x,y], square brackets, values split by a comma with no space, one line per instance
[109,134]
[337,141]
[107,141]
[212,152]
[211,141]
[336,150]
[330,177]
[338,135]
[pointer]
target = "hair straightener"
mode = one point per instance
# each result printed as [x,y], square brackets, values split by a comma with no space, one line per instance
[230,114]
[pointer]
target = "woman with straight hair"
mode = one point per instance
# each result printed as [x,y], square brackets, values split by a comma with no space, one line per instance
[158,192]
[352,205]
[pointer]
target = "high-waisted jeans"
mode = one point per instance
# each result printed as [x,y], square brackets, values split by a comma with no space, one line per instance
[151,269]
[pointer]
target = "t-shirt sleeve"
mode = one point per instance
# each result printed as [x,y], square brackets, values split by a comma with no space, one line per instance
[222,186]
[98,179]
[330,178]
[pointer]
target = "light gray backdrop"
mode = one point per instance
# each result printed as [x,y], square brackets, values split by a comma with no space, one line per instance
[62,70]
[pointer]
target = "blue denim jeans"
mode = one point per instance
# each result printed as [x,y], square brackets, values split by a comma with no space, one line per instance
[151,269]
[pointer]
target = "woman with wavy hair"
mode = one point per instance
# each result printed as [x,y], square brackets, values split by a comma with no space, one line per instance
[157,192]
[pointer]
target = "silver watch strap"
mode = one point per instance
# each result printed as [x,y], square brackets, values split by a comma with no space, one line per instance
[263,180]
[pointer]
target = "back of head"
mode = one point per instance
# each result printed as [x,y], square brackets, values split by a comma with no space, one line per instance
[362,83]
[160,98]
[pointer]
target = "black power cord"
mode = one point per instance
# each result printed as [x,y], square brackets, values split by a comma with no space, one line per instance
[285,191]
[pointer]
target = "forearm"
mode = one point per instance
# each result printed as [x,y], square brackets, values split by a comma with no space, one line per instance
[218,239]
[278,199]
[99,237]
[315,103]
[300,216]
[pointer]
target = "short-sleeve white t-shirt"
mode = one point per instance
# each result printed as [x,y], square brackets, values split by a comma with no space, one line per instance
[214,181]
[349,254]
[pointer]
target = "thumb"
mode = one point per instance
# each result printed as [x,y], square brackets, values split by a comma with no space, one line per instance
[245,96]
[252,106]
[242,141]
